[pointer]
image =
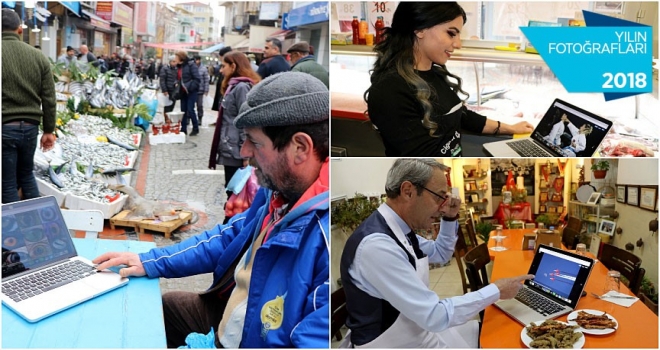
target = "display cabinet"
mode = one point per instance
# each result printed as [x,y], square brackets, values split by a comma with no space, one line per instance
[590,215]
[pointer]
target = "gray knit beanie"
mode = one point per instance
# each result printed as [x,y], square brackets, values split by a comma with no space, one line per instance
[289,98]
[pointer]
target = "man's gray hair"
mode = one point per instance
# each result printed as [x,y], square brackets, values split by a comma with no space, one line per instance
[417,171]
[171,58]
[10,20]
[276,42]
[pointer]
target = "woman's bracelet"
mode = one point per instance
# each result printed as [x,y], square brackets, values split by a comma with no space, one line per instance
[497,129]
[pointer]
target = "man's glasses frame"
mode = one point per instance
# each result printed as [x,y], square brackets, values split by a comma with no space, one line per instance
[443,199]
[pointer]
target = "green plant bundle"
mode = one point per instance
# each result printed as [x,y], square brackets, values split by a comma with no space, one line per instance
[600,165]
[483,230]
[648,288]
[350,213]
[548,219]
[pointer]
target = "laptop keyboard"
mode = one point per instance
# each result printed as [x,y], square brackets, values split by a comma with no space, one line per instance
[28,286]
[537,302]
[527,148]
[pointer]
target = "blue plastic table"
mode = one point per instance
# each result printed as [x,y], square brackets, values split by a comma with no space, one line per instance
[127,317]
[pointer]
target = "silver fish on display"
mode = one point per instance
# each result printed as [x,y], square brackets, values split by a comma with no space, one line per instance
[53,177]
[120,144]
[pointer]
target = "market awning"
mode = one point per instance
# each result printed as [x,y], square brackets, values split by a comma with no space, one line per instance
[242,46]
[174,46]
[73,6]
[213,48]
[280,34]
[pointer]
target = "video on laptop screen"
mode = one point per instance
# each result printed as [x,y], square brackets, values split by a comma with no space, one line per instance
[33,234]
[570,132]
[557,274]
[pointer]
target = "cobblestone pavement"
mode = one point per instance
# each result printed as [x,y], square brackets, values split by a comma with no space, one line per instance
[174,175]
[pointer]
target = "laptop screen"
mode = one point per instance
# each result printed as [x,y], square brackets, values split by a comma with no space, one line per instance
[570,131]
[559,274]
[33,234]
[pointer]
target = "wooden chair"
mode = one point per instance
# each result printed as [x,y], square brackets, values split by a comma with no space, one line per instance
[475,261]
[460,250]
[472,233]
[570,237]
[574,223]
[339,313]
[627,263]
[648,302]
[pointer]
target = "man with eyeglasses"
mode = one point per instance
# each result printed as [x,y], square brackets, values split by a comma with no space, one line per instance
[385,268]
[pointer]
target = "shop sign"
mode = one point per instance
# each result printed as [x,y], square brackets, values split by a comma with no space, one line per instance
[346,10]
[312,13]
[123,15]
[98,39]
[104,10]
[608,55]
[99,24]
[73,6]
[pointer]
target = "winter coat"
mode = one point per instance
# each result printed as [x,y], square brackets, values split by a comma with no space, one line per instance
[309,65]
[151,71]
[190,79]
[204,75]
[293,264]
[227,138]
[273,65]
[167,79]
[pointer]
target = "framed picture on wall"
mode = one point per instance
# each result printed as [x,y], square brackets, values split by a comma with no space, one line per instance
[560,209]
[621,193]
[543,196]
[632,195]
[593,199]
[475,198]
[648,197]
[542,209]
[552,209]
[607,227]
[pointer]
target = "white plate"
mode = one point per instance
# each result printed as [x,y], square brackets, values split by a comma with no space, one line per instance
[527,340]
[573,315]
[584,193]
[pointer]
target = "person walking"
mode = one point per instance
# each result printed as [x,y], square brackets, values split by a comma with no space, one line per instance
[168,84]
[203,88]
[218,94]
[304,61]
[151,70]
[29,102]
[227,138]
[189,84]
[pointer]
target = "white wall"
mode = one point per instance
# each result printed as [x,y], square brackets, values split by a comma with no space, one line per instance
[363,175]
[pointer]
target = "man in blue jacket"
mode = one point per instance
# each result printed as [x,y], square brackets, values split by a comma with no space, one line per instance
[270,263]
[273,62]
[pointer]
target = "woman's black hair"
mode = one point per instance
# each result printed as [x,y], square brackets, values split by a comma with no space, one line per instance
[395,53]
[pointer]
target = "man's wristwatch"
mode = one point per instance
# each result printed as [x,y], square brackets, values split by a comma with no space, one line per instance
[449,219]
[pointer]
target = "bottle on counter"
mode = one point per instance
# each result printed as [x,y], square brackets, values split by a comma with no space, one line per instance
[356,30]
[379,25]
[364,28]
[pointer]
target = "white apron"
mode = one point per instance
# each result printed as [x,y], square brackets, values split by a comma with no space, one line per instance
[405,333]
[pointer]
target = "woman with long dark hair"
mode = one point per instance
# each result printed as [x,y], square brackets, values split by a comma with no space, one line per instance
[413,99]
[239,77]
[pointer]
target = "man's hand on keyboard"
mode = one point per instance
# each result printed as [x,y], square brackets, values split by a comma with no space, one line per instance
[131,260]
[509,287]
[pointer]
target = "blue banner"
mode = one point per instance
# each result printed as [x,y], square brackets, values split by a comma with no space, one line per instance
[10,4]
[73,6]
[312,13]
[285,21]
[610,55]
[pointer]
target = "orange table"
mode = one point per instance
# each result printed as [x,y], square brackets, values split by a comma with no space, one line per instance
[638,325]
[513,240]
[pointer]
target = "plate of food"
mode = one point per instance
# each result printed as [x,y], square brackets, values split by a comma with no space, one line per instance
[552,334]
[593,321]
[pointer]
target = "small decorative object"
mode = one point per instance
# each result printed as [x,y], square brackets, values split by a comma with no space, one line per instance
[593,199]
[560,209]
[619,230]
[557,197]
[615,215]
[543,197]
[630,246]
[648,197]
[574,187]
[507,197]
[639,243]
[600,169]
[483,230]
[558,184]
[607,227]
[632,195]
[653,225]
[474,197]
[621,193]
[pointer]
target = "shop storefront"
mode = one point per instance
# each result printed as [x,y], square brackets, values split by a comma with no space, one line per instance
[119,15]
[311,24]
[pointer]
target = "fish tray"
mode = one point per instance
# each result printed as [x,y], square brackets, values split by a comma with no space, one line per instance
[120,220]
[108,209]
[167,138]
[112,180]
[166,227]
[47,189]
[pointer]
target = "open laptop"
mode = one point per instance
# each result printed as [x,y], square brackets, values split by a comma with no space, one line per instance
[563,132]
[560,277]
[41,272]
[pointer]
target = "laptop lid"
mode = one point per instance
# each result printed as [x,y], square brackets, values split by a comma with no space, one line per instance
[34,235]
[569,131]
[560,275]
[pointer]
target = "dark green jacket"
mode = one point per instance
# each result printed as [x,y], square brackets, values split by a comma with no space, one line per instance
[308,65]
[28,88]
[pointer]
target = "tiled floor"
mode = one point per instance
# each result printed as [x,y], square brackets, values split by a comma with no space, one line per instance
[445,281]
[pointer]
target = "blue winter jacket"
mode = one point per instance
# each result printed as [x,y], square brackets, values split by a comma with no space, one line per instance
[293,263]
